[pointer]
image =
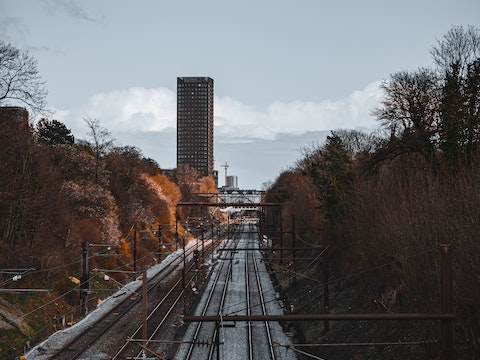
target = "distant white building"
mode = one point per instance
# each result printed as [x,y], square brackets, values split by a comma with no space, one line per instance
[232,182]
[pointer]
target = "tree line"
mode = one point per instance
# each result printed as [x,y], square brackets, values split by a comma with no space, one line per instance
[381,201]
[384,201]
[59,189]
[57,192]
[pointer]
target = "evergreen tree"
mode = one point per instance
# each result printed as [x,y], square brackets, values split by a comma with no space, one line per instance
[334,177]
[453,113]
[54,132]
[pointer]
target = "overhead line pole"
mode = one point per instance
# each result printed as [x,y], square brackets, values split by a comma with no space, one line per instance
[84,280]
[144,306]
[446,302]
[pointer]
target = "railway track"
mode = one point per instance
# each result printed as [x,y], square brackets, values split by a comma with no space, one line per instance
[262,347]
[162,316]
[206,333]
[236,289]
[85,340]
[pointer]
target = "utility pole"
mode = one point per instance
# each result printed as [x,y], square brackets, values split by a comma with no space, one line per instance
[184,264]
[446,302]
[84,279]
[144,306]
[203,244]
[183,278]
[281,236]
[294,244]
[326,276]
[217,339]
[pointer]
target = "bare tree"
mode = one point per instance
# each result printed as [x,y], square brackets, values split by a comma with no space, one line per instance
[20,81]
[187,179]
[410,110]
[459,48]
[358,142]
[101,143]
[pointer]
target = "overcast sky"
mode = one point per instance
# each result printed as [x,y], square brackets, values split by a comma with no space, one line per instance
[285,72]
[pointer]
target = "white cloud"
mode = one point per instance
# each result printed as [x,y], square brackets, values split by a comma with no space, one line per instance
[134,109]
[235,120]
[145,110]
[258,143]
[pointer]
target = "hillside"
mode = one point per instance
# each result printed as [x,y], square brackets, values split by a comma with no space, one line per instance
[374,234]
[58,194]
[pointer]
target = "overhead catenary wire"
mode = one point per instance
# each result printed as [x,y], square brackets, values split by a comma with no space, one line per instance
[331,280]
[306,354]
[76,288]
[368,343]
[291,271]
[308,243]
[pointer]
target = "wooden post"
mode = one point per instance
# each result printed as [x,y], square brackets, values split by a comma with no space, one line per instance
[446,302]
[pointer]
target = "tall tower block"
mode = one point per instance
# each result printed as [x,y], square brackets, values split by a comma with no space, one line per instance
[195,124]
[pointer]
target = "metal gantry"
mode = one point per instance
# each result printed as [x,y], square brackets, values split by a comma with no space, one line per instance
[445,316]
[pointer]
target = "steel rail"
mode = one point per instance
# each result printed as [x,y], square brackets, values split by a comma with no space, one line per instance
[221,306]
[264,310]
[159,304]
[159,325]
[216,333]
[80,343]
[248,310]
[204,310]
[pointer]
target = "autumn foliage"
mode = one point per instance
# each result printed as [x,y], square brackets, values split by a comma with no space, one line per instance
[383,203]
[56,193]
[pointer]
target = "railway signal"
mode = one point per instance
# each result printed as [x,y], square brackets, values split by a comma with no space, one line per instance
[196,256]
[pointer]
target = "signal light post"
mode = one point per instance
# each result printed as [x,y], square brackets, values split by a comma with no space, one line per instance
[195,258]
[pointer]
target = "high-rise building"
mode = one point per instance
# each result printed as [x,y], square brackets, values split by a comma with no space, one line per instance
[195,124]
